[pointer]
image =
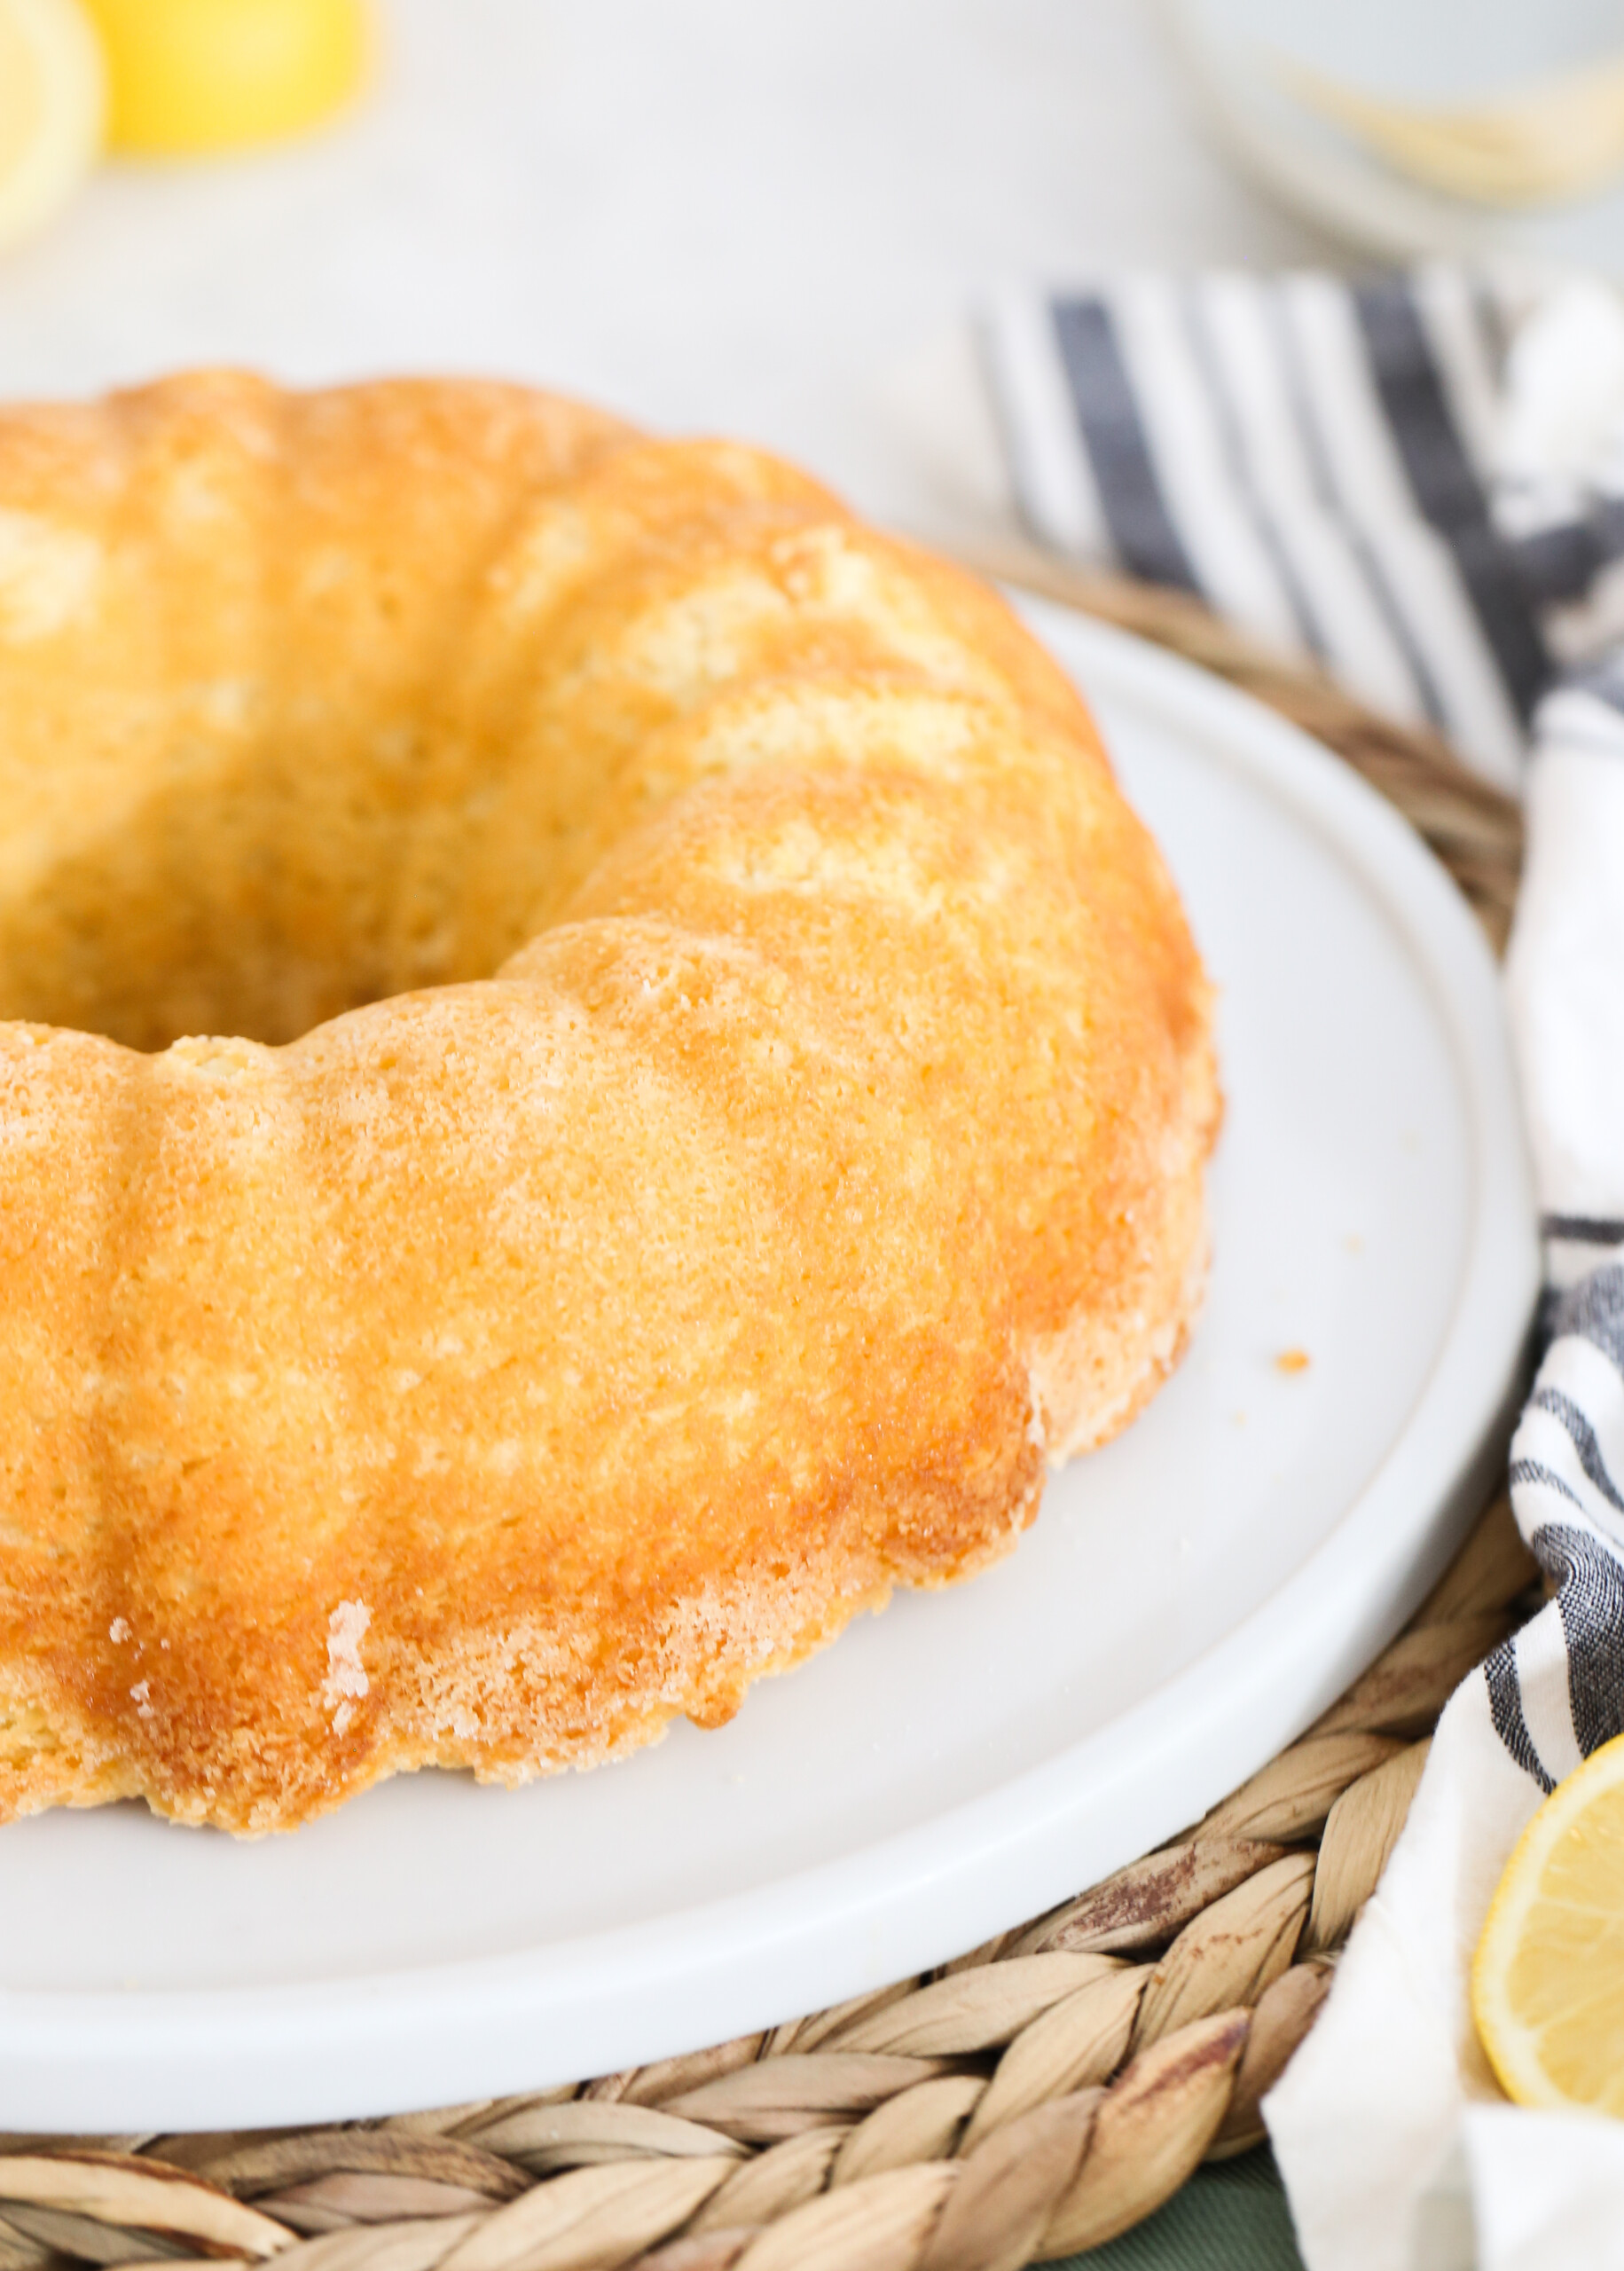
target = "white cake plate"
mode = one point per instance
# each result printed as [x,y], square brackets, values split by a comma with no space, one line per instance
[1189,1598]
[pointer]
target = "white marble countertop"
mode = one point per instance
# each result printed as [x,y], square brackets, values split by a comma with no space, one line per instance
[764,217]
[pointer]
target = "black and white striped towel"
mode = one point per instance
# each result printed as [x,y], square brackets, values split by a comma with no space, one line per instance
[1419,480]
[1348,469]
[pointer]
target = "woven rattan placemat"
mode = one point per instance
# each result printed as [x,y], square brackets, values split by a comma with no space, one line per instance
[1039,2095]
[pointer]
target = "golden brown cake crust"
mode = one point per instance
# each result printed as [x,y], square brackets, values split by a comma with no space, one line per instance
[730,1087]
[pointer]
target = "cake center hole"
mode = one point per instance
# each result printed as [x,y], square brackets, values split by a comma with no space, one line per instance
[262,905]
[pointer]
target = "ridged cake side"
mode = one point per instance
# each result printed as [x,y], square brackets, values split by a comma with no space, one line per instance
[774,1118]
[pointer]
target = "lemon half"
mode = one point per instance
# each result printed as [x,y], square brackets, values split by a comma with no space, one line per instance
[192,75]
[53,100]
[1548,1981]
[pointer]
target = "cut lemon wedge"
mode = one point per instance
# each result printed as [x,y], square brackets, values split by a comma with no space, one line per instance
[1548,1981]
[189,75]
[51,105]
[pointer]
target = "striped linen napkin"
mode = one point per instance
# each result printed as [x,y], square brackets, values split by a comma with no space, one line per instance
[1418,481]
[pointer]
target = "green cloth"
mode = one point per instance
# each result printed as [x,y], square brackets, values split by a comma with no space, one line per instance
[1230,2217]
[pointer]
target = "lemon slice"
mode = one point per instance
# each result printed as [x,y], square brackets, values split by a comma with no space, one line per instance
[52,103]
[189,75]
[1548,1981]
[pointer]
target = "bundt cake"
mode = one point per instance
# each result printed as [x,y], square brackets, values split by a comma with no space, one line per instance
[717,1090]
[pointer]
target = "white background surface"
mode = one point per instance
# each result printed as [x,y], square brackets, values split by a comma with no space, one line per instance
[1188,1600]
[763,217]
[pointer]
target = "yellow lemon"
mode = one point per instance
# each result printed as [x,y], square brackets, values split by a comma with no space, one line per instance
[51,105]
[214,75]
[1548,1981]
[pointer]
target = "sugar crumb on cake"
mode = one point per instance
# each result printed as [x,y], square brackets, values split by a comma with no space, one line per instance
[346,1682]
